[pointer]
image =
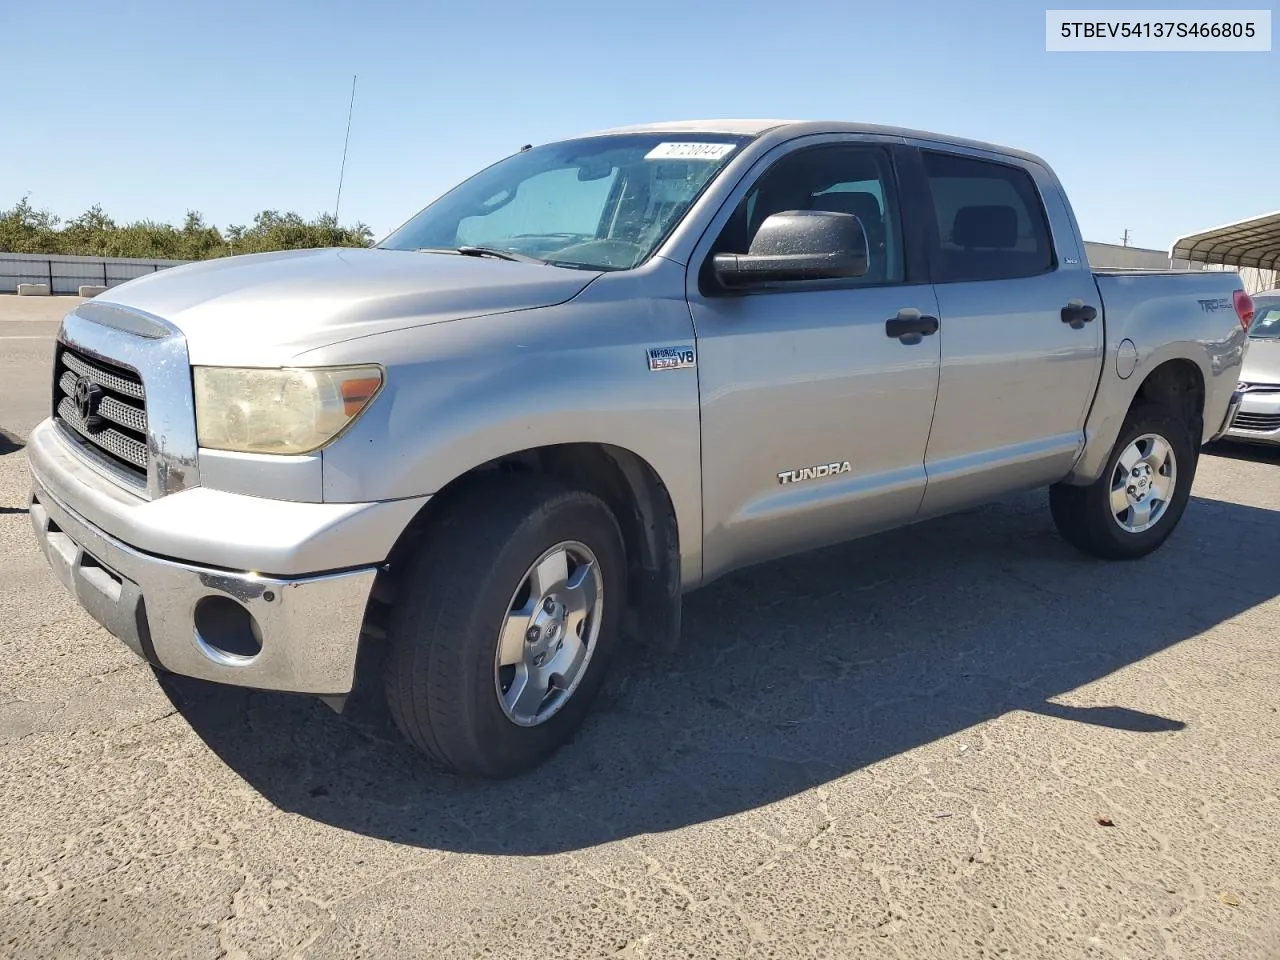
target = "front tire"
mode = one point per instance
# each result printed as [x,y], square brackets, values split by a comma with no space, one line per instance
[507,620]
[1135,505]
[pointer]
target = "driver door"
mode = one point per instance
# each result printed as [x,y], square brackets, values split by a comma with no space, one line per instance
[814,419]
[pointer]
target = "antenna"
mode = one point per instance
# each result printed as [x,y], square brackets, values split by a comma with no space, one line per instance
[1125,240]
[345,141]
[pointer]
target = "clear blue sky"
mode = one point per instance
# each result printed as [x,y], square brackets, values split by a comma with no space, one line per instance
[152,108]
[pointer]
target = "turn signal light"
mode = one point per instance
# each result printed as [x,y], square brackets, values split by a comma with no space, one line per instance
[357,393]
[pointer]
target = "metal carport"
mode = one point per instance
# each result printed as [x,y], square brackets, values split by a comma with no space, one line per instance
[1246,243]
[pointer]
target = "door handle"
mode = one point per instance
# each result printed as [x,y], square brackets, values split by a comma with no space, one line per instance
[910,325]
[1077,313]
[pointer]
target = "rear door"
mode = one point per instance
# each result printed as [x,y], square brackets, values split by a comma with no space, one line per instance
[814,419]
[1021,327]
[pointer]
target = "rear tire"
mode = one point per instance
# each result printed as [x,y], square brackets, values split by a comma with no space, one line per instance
[1136,504]
[475,571]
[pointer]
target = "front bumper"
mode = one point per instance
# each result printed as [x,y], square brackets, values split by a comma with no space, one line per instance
[176,578]
[1258,418]
[308,627]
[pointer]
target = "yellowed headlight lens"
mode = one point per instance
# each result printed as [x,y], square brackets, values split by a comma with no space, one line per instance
[285,411]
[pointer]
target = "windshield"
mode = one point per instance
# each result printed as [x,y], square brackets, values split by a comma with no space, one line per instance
[1266,321]
[600,203]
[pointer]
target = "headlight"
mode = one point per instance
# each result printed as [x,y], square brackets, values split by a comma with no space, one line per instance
[292,410]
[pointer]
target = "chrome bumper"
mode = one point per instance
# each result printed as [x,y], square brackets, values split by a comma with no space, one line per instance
[1233,407]
[1255,418]
[308,627]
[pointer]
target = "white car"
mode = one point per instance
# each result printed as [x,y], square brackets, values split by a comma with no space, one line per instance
[1258,419]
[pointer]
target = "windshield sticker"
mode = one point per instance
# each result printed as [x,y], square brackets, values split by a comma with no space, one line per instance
[690,151]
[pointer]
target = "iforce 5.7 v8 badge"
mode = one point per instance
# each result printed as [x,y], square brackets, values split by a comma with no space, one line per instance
[672,358]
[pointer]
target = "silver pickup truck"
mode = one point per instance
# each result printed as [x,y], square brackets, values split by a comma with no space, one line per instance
[598,374]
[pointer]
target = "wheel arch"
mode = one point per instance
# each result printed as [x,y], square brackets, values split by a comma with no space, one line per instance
[631,488]
[1172,378]
[1178,385]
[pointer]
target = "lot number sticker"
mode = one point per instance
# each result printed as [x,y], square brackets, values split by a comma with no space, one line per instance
[689,151]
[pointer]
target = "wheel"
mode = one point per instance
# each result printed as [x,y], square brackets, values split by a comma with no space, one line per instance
[1137,502]
[505,626]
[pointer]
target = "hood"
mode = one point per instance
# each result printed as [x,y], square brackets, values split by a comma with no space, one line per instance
[263,309]
[1261,362]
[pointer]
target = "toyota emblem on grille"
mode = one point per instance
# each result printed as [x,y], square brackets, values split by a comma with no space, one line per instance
[87,396]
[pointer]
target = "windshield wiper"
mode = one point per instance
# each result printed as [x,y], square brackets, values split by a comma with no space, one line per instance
[471,251]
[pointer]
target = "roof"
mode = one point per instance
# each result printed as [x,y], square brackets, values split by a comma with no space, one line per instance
[749,128]
[1246,243]
[798,128]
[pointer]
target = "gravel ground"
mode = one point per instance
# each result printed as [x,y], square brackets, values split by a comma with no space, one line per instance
[959,740]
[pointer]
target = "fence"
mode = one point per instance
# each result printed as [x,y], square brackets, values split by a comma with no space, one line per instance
[66,274]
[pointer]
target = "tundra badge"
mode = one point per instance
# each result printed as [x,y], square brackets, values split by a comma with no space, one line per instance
[813,473]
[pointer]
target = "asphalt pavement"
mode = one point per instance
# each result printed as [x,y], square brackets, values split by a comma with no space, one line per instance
[957,740]
[27,328]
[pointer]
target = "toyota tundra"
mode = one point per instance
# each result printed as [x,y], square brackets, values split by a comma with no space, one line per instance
[600,373]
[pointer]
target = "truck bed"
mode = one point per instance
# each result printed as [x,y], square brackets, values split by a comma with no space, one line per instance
[1143,272]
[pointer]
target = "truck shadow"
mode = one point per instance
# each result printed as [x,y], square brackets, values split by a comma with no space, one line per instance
[792,674]
[1252,452]
[9,442]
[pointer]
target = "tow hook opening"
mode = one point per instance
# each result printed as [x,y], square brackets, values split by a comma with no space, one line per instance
[226,632]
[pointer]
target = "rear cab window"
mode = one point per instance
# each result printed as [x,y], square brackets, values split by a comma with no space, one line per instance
[990,220]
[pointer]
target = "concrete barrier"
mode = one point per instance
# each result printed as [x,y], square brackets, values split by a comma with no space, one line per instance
[33,290]
[91,289]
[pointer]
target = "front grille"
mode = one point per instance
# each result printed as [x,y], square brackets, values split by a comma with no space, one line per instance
[1256,421]
[103,406]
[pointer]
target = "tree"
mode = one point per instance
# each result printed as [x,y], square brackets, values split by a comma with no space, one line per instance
[88,232]
[24,229]
[199,241]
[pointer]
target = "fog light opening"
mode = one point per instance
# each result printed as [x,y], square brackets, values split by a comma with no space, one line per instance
[226,631]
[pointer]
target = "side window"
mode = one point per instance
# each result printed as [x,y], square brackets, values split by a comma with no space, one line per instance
[991,221]
[857,180]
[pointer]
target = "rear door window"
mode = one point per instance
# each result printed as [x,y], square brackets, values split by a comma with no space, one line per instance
[991,223]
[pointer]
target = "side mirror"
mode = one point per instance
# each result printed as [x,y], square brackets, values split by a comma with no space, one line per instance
[798,245]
